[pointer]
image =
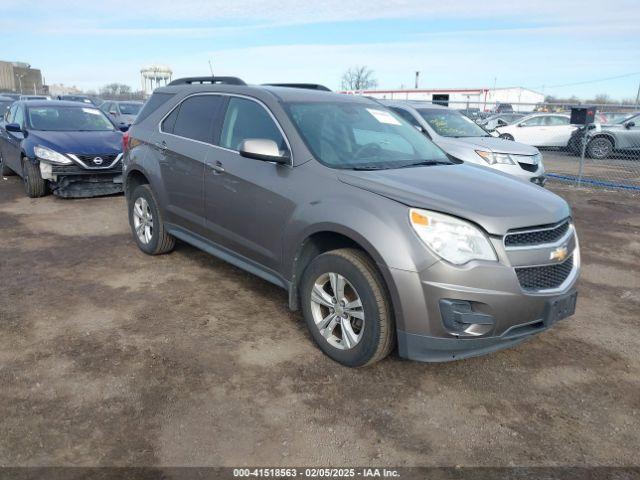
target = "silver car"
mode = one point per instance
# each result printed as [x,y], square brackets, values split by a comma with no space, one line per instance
[465,141]
[372,231]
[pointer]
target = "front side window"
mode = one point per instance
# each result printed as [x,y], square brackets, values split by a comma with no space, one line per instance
[196,117]
[449,123]
[68,119]
[357,135]
[11,113]
[248,119]
[19,116]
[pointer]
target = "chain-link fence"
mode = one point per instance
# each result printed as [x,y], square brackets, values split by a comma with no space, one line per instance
[604,154]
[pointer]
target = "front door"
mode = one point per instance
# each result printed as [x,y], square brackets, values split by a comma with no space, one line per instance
[12,149]
[246,200]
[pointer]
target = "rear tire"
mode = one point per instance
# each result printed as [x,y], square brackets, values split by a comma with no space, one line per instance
[34,185]
[363,328]
[146,222]
[599,148]
[4,170]
[506,136]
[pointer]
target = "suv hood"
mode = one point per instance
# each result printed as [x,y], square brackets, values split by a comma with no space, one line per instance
[498,145]
[82,143]
[498,202]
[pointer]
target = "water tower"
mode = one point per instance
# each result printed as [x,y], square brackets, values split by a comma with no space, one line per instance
[154,76]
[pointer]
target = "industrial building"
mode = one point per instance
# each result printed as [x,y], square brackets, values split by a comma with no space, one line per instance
[19,77]
[483,98]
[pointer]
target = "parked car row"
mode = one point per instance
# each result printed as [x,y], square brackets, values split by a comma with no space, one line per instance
[377,218]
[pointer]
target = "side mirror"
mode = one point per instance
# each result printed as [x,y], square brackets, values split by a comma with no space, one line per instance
[630,124]
[112,112]
[521,125]
[124,128]
[13,127]
[501,123]
[262,149]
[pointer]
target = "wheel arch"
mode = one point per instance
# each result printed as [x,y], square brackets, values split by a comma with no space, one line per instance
[325,238]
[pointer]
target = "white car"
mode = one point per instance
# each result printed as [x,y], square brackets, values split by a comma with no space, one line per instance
[540,130]
[466,141]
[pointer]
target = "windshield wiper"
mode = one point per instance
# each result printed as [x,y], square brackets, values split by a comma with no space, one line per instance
[369,167]
[426,163]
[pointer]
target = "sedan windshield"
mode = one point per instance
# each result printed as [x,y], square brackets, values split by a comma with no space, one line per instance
[68,119]
[362,136]
[130,108]
[449,123]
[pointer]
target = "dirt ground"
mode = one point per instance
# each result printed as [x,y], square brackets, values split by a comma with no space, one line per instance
[112,357]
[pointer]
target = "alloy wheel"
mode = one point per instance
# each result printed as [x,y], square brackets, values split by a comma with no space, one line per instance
[337,311]
[143,220]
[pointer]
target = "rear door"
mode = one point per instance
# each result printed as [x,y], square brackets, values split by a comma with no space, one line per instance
[246,200]
[558,130]
[532,131]
[182,146]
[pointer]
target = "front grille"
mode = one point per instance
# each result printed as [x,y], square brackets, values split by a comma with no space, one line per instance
[88,160]
[529,167]
[536,237]
[544,278]
[78,170]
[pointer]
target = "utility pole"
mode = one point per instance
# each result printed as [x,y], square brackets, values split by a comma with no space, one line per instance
[210,68]
[417,79]
[638,96]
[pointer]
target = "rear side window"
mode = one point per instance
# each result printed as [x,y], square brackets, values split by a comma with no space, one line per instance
[247,119]
[156,100]
[196,117]
[169,122]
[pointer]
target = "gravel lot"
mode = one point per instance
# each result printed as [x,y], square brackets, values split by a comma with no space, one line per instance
[112,357]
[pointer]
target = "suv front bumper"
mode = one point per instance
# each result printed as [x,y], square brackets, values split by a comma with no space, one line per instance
[493,294]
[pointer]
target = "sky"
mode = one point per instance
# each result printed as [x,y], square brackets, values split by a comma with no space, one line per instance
[558,47]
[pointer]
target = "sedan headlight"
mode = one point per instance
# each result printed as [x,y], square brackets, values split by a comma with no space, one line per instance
[454,240]
[492,158]
[48,155]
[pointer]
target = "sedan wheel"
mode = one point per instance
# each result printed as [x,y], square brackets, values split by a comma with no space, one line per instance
[599,148]
[337,311]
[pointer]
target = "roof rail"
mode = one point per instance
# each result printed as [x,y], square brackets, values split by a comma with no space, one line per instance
[307,86]
[208,80]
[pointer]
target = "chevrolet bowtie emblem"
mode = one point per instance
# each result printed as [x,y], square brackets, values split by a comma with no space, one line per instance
[559,254]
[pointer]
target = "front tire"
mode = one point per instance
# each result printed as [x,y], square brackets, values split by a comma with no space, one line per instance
[146,222]
[346,308]
[4,170]
[599,148]
[34,185]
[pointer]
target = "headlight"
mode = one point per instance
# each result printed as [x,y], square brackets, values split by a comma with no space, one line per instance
[454,240]
[492,158]
[48,155]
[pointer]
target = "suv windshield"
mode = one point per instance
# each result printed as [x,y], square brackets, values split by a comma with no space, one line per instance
[362,136]
[68,119]
[130,108]
[449,123]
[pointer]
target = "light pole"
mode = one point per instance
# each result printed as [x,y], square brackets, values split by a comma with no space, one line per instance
[20,81]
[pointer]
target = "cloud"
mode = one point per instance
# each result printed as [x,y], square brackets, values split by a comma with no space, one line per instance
[296,11]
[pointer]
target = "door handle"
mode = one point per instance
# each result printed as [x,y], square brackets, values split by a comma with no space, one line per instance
[217,168]
[161,145]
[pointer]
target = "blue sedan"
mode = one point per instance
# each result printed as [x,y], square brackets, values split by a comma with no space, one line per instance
[69,148]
